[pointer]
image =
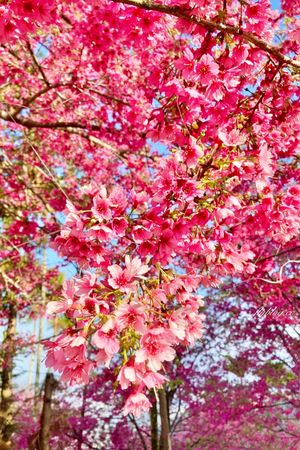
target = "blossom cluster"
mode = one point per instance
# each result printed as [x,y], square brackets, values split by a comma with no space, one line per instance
[19,17]
[124,307]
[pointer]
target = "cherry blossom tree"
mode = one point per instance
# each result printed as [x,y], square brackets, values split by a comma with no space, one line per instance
[153,144]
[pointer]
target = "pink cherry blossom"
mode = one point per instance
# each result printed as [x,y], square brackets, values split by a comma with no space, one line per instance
[101,208]
[124,279]
[127,375]
[107,343]
[154,350]
[207,69]
[231,138]
[131,314]
[137,404]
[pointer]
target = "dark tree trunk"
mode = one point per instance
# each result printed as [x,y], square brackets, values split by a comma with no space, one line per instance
[165,433]
[154,427]
[8,353]
[42,442]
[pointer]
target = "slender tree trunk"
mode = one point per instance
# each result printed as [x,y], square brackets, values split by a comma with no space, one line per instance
[38,364]
[165,434]
[6,406]
[32,359]
[45,421]
[40,337]
[154,427]
[37,388]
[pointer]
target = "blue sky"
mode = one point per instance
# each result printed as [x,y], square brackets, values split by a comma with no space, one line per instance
[275,4]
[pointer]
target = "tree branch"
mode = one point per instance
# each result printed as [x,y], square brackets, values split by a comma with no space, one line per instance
[132,419]
[176,11]
[30,123]
[283,252]
[29,100]
[37,64]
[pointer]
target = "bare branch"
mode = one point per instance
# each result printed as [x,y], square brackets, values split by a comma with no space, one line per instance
[37,64]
